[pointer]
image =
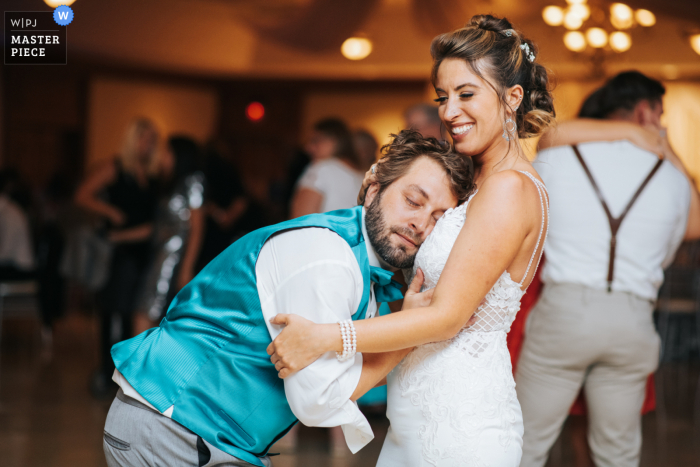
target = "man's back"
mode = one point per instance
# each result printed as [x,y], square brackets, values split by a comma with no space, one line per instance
[578,245]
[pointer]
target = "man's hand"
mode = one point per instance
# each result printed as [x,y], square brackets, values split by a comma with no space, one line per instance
[414,297]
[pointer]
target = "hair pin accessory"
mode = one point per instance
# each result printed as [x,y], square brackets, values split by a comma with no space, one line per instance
[507,32]
[530,56]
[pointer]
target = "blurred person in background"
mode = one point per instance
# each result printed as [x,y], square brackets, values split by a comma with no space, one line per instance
[366,148]
[16,249]
[593,326]
[178,230]
[32,251]
[425,119]
[123,193]
[332,180]
[225,203]
[296,166]
[53,224]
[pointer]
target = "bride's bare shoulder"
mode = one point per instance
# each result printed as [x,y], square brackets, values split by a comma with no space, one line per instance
[508,187]
[506,183]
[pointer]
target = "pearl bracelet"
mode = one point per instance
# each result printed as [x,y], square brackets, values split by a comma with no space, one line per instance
[347,332]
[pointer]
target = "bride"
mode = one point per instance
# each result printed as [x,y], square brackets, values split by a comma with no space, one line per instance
[452,400]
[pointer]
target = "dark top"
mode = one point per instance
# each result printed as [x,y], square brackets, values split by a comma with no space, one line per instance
[223,186]
[223,181]
[138,203]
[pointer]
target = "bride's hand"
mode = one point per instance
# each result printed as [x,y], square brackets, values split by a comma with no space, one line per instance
[414,297]
[650,138]
[370,178]
[300,343]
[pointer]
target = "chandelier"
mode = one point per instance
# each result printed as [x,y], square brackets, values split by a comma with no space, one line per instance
[595,28]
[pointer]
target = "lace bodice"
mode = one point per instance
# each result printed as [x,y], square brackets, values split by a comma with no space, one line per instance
[498,309]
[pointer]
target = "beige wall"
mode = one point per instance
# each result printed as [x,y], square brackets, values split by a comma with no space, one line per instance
[379,112]
[174,109]
[682,118]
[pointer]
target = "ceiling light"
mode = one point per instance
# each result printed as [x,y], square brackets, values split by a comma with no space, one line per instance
[620,41]
[553,15]
[57,3]
[582,11]
[645,18]
[572,21]
[575,41]
[575,2]
[621,16]
[356,48]
[597,37]
[695,43]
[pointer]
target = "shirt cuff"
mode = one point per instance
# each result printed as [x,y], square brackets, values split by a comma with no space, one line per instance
[358,433]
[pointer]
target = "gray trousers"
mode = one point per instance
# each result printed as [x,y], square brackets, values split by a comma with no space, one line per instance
[136,435]
[604,342]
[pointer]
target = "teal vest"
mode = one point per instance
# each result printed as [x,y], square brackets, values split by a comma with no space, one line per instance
[208,356]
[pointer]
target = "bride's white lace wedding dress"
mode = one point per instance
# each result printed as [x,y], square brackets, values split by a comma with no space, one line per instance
[453,403]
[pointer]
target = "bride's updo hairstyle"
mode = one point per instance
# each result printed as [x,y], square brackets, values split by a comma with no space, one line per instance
[501,56]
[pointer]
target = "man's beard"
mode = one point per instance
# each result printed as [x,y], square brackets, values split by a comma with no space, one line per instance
[380,237]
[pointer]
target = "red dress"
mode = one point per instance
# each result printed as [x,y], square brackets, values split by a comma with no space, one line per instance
[517,335]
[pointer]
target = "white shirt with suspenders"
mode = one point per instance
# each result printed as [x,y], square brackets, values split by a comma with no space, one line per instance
[579,244]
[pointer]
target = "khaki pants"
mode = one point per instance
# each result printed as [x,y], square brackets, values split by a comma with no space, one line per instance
[605,342]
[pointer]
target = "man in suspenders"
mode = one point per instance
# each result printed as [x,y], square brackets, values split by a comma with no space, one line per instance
[618,214]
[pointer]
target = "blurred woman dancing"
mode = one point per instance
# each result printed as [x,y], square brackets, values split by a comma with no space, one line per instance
[178,230]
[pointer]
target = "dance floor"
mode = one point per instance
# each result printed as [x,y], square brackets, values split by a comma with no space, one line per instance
[49,419]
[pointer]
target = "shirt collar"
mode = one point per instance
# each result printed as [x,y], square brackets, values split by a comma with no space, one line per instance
[374,259]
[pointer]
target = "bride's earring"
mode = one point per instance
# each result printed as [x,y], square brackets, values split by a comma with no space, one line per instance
[509,129]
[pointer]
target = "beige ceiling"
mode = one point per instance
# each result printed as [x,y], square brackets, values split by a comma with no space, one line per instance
[300,38]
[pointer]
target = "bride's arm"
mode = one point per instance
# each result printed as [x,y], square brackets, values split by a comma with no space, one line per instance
[582,130]
[500,218]
[375,367]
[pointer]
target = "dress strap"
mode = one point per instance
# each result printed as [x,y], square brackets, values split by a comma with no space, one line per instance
[544,202]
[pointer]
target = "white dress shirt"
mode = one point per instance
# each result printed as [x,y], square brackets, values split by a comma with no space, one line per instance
[312,272]
[578,243]
[15,239]
[335,180]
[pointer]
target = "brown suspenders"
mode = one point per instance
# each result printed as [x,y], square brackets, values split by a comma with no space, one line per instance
[615,222]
